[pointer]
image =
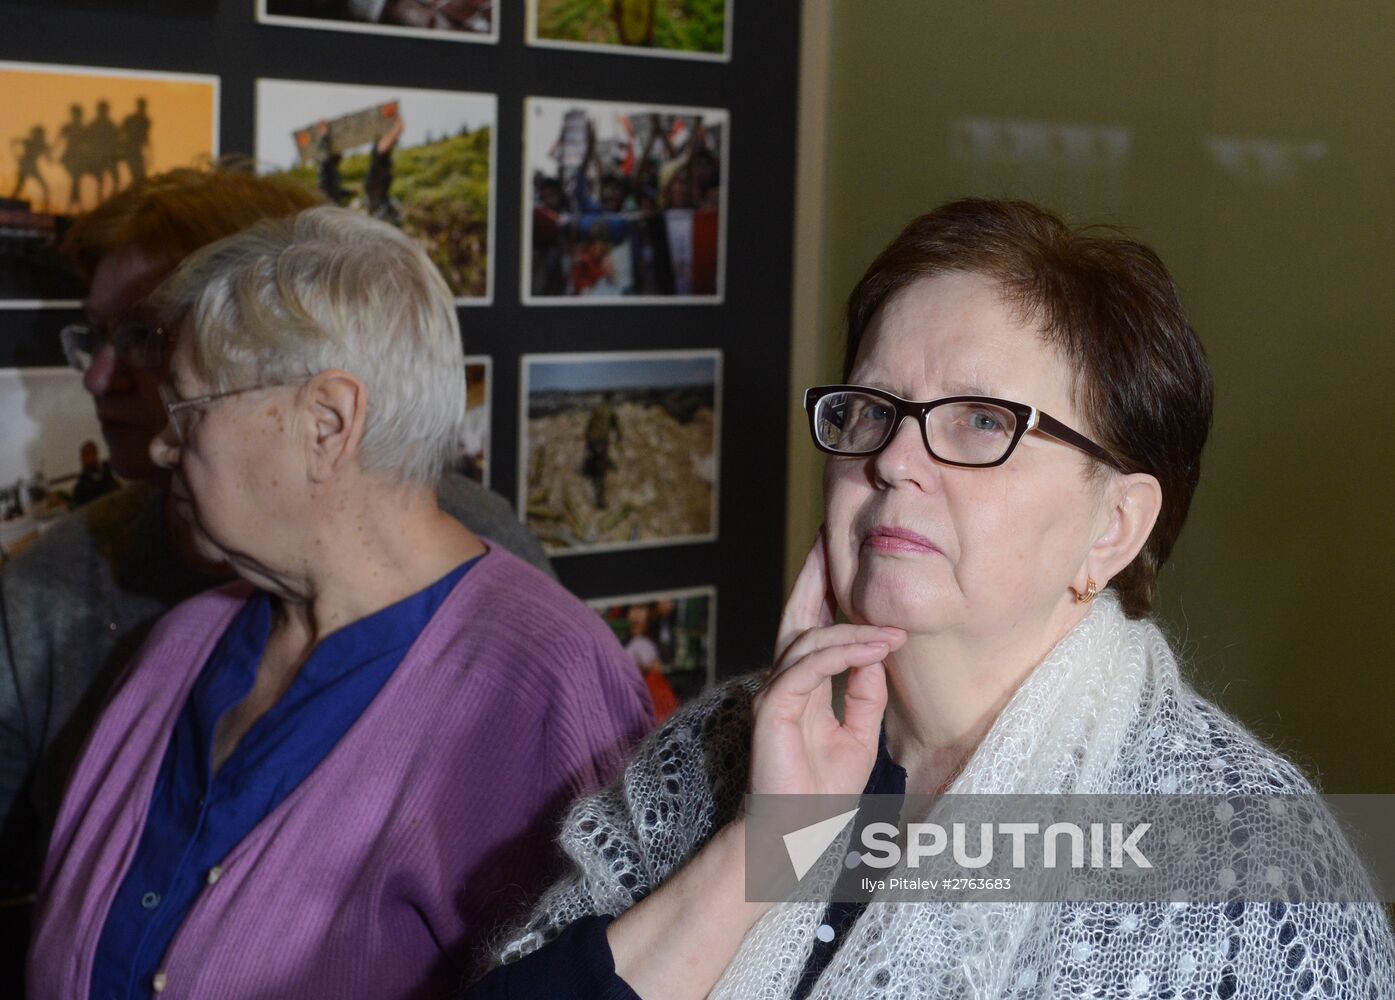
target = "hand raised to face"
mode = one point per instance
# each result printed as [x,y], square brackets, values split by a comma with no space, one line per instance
[799,746]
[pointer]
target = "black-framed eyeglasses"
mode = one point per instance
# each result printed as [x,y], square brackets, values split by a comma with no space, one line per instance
[975,432]
[137,345]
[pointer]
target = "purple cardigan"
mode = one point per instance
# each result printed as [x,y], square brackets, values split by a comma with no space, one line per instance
[431,820]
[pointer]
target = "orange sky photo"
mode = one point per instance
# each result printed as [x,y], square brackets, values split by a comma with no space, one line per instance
[182,112]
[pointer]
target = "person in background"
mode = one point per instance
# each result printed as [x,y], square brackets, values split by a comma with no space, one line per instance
[334,775]
[602,425]
[76,605]
[96,479]
[645,653]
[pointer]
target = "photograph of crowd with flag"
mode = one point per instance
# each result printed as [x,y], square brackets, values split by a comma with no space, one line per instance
[671,638]
[422,160]
[620,450]
[693,29]
[74,136]
[626,203]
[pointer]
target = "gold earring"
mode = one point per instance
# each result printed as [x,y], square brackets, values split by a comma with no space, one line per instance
[1090,592]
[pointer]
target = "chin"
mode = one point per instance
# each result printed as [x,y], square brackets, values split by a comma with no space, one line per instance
[199,543]
[912,604]
[128,451]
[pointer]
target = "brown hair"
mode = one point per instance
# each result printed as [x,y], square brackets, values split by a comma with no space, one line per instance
[1108,305]
[174,213]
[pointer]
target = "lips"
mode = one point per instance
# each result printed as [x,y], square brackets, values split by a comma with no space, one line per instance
[889,538]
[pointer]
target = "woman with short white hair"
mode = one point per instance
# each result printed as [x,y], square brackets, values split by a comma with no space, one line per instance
[333,776]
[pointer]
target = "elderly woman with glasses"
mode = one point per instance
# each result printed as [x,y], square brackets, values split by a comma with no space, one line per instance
[334,776]
[76,604]
[1010,461]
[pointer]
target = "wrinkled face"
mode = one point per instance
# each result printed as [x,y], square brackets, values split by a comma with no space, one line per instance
[234,471]
[934,548]
[127,398]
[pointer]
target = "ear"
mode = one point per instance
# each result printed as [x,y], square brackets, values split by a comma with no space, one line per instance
[337,408]
[1133,504]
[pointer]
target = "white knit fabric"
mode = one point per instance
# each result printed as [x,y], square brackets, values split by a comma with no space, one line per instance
[1107,713]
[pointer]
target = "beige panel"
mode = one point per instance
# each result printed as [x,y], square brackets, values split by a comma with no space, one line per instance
[1252,144]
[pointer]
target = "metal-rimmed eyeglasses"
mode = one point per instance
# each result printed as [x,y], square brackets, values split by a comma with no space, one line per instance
[180,410]
[137,345]
[975,432]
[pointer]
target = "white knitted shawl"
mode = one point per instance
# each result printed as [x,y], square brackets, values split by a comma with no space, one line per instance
[1106,712]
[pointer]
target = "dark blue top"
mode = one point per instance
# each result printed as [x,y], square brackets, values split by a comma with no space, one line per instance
[578,963]
[196,818]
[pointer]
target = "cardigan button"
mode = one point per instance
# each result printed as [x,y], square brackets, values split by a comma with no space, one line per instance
[150,900]
[824,933]
[159,983]
[214,874]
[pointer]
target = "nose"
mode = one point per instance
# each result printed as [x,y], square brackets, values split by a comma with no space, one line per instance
[164,448]
[905,461]
[106,375]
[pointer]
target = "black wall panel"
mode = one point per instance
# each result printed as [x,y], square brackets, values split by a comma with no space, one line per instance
[758,86]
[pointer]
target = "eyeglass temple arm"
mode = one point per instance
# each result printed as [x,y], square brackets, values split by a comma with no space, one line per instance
[1050,425]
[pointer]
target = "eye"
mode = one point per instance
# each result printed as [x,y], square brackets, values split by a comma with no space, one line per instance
[875,410]
[985,421]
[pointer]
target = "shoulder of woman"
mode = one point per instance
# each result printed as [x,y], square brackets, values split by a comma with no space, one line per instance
[1199,748]
[505,595]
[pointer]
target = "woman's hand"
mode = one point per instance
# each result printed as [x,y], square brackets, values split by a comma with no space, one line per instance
[675,943]
[799,747]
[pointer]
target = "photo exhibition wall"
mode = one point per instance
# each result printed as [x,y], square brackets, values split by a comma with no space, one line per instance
[606,188]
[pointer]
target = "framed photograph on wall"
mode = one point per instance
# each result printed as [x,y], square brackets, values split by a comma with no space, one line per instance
[479,397]
[623,204]
[619,450]
[671,636]
[444,20]
[52,456]
[75,136]
[678,29]
[420,159]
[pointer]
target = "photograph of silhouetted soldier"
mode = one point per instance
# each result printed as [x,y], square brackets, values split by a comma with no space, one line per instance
[95,148]
[28,152]
[73,137]
[135,139]
[600,428]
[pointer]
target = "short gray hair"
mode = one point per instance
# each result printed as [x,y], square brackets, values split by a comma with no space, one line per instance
[331,288]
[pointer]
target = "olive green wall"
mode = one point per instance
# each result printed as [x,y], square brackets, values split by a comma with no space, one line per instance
[1253,146]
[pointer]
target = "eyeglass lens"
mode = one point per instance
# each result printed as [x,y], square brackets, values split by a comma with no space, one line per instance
[973,433]
[136,345]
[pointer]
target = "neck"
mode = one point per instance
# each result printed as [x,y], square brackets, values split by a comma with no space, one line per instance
[368,547]
[945,691]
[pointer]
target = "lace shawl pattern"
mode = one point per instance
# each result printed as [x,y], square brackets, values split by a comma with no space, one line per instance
[1105,713]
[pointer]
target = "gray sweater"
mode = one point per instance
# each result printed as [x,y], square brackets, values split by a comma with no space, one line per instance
[79,602]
